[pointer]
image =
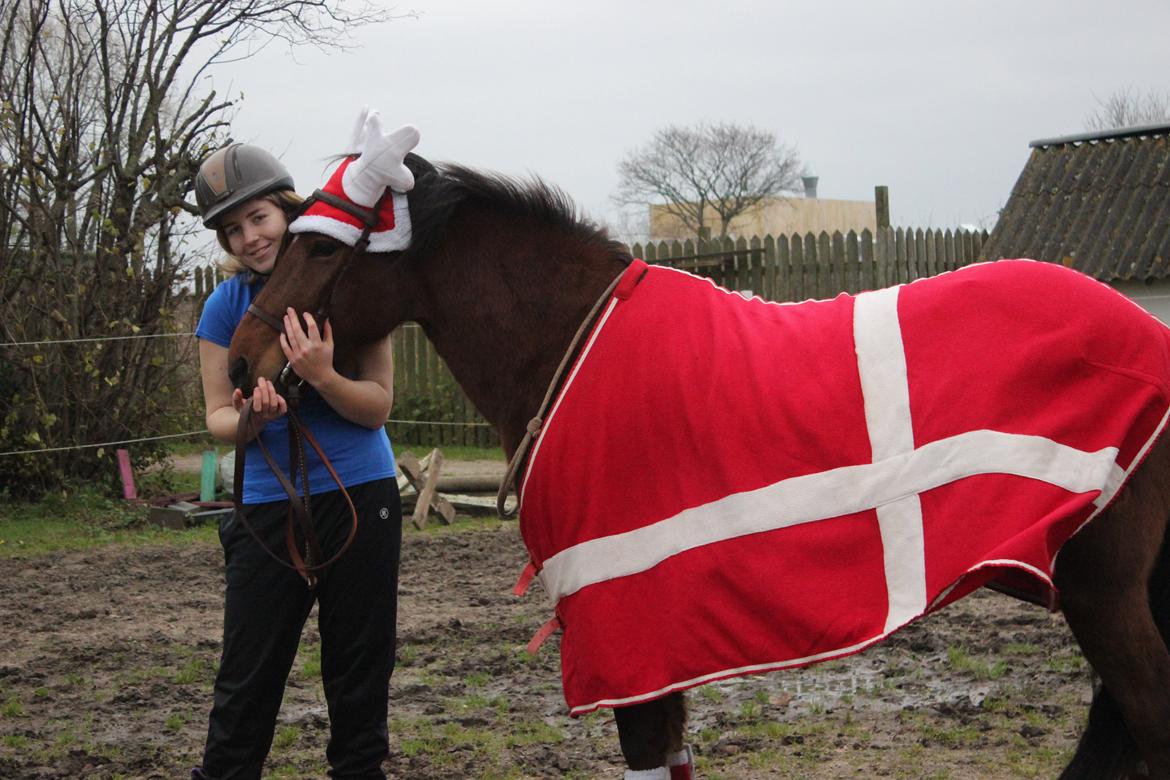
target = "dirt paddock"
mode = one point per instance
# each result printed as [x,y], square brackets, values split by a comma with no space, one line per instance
[107,659]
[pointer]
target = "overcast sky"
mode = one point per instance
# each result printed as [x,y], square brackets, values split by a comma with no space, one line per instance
[935,99]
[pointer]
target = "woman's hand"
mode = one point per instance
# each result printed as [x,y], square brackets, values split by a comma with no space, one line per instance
[267,404]
[308,349]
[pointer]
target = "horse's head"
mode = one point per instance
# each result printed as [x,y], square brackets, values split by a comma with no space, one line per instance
[343,256]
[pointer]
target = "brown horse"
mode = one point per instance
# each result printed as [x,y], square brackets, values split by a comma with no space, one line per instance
[500,274]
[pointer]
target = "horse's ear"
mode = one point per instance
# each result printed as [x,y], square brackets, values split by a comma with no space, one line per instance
[417,165]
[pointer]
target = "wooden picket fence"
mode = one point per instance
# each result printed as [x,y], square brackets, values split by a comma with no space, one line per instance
[430,409]
[797,268]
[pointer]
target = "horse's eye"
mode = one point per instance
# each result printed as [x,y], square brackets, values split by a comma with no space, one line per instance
[321,249]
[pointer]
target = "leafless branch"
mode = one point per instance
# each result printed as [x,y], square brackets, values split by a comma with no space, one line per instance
[1128,108]
[104,118]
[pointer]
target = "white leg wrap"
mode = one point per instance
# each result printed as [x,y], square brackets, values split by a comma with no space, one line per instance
[681,758]
[661,773]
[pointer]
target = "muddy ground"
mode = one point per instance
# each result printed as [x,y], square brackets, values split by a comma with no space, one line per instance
[107,659]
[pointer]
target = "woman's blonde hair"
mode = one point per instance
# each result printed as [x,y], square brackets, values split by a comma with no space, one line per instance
[286,200]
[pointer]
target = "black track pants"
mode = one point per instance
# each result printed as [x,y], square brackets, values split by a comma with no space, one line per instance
[265,609]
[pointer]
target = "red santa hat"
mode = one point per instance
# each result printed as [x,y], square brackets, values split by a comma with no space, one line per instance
[376,177]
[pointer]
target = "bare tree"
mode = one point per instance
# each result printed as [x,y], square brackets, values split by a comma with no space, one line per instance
[1127,108]
[103,122]
[708,169]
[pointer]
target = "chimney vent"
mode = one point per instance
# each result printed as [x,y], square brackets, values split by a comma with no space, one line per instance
[810,185]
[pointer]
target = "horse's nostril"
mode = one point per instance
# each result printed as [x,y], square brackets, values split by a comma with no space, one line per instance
[238,373]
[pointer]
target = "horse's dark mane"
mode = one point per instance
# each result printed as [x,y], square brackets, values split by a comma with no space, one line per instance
[441,190]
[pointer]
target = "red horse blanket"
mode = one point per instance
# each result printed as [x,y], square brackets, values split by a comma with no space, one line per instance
[729,486]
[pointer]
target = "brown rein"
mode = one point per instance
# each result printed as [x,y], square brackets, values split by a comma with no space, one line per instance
[532,430]
[310,565]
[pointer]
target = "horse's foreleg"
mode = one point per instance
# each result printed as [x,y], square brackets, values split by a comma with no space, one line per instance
[650,734]
[1105,574]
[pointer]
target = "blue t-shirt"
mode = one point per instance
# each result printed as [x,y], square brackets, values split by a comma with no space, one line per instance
[359,454]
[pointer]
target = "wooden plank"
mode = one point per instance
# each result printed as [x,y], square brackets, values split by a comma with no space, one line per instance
[843,273]
[408,359]
[901,269]
[797,267]
[411,469]
[743,266]
[474,504]
[827,285]
[891,270]
[911,257]
[425,484]
[853,262]
[881,202]
[869,262]
[769,268]
[979,239]
[756,266]
[783,290]
[940,253]
[422,507]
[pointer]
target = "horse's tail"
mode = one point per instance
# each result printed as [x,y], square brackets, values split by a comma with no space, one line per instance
[1106,749]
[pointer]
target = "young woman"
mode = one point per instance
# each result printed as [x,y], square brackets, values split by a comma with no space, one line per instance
[246,195]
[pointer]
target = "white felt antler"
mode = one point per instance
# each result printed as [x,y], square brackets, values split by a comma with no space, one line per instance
[358,136]
[380,164]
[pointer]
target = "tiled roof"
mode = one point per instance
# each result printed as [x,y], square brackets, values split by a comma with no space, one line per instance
[1097,202]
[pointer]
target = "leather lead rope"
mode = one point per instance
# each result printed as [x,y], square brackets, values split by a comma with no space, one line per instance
[312,565]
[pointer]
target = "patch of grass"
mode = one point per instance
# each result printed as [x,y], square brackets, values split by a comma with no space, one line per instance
[950,735]
[311,665]
[193,671]
[12,708]
[768,729]
[407,655]
[285,736]
[961,661]
[1068,663]
[534,733]
[477,679]
[81,519]
[461,525]
[454,452]
[711,693]
[174,722]
[749,710]
[16,741]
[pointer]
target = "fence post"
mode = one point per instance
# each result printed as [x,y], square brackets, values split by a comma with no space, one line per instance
[840,278]
[852,263]
[756,258]
[868,261]
[769,261]
[881,204]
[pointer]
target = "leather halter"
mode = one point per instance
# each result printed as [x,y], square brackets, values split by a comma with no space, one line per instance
[311,564]
[369,220]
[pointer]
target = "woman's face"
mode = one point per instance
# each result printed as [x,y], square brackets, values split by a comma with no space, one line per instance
[254,231]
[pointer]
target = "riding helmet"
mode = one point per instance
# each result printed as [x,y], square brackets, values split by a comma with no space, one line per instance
[234,175]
